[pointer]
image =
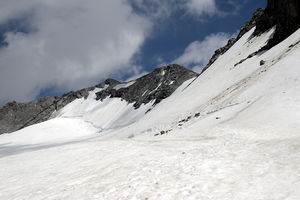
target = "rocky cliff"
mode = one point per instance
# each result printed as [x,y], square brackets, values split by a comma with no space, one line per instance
[155,86]
[284,14]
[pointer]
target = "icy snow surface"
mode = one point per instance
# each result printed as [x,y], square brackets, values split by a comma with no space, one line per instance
[233,134]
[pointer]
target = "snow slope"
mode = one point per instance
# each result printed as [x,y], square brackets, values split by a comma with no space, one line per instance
[110,113]
[232,133]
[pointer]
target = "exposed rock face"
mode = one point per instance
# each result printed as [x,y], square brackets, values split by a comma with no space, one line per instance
[156,86]
[14,116]
[247,27]
[284,14]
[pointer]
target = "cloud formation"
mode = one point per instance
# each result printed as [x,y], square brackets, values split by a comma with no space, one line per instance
[200,7]
[72,44]
[197,53]
[162,9]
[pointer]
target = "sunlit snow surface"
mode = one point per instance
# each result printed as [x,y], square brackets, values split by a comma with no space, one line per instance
[111,113]
[244,144]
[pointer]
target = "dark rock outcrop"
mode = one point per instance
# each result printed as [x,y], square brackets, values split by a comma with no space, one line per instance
[14,116]
[285,15]
[155,86]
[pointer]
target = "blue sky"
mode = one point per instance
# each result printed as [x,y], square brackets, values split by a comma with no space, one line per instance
[176,32]
[53,46]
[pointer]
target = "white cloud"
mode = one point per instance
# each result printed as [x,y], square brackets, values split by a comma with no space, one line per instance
[156,9]
[198,53]
[163,9]
[201,7]
[74,44]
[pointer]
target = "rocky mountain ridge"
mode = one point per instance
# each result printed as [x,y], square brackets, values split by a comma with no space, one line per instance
[155,86]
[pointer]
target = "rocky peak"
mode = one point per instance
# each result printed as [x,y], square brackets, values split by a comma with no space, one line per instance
[155,86]
[109,83]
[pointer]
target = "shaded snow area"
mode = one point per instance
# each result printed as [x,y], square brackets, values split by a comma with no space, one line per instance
[231,134]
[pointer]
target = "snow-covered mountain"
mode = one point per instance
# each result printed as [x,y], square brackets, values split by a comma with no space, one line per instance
[147,90]
[232,132]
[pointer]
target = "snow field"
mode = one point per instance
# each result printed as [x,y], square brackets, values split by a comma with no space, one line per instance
[208,166]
